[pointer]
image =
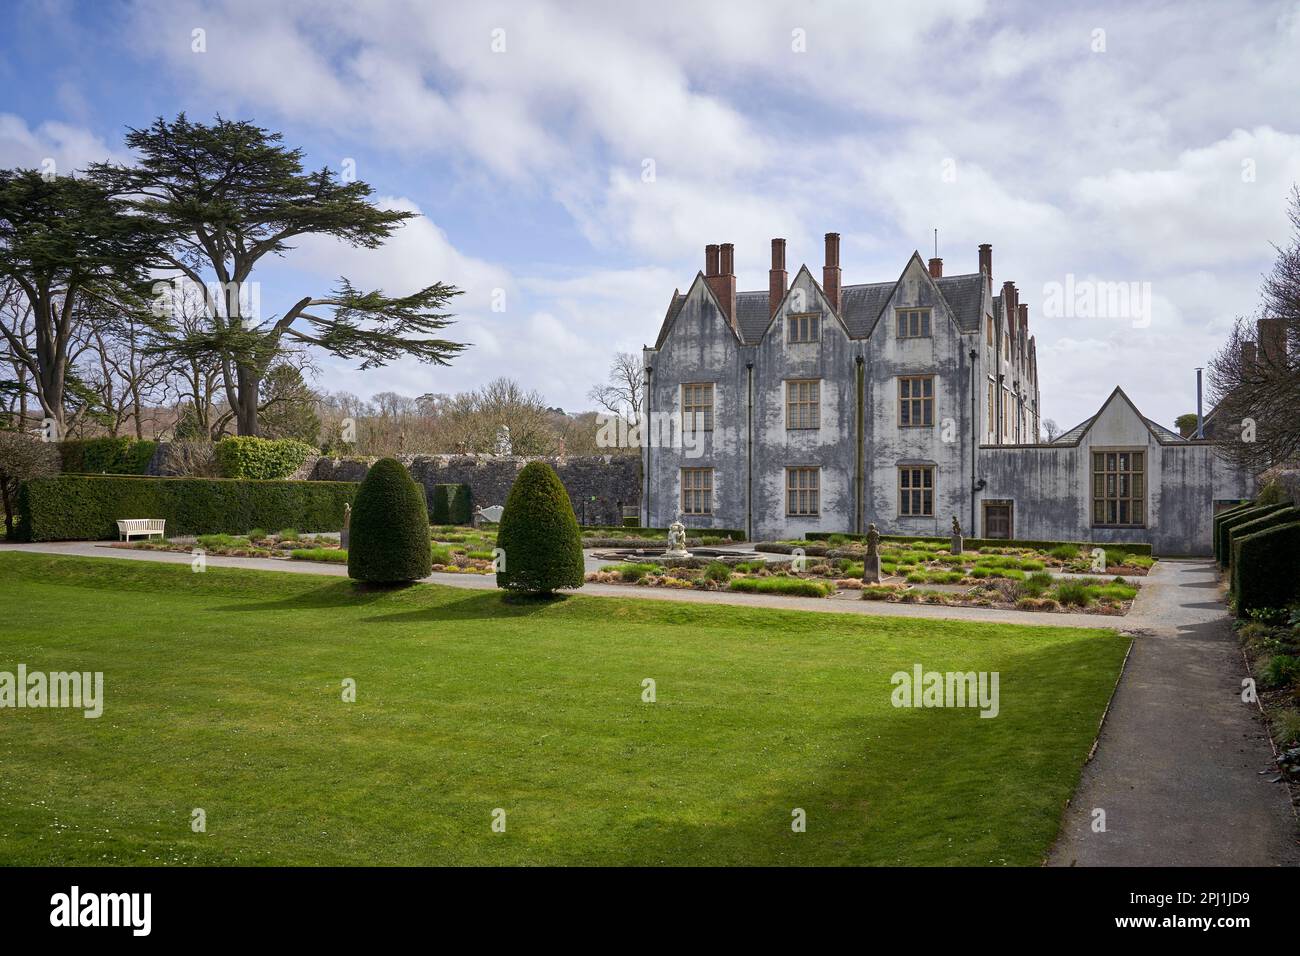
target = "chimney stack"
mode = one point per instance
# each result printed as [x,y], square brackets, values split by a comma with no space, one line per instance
[776,278]
[1009,307]
[831,271]
[1271,335]
[1248,356]
[1023,311]
[986,262]
[722,278]
[936,268]
[1200,413]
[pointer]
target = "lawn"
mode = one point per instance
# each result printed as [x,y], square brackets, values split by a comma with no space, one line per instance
[223,692]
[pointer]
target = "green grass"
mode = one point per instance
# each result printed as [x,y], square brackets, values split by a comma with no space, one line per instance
[330,555]
[222,691]
[801,587]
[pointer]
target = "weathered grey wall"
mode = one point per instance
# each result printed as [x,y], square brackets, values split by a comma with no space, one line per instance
[702,348]
[599,486]
[1051,486]
[946,445]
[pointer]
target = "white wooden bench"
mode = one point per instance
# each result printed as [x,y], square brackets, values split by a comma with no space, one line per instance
[126,527]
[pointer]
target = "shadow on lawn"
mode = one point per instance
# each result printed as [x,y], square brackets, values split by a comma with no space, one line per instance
[335,594]
[921,786]
[480,605]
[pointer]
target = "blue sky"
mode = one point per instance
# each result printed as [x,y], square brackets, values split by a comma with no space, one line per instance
[1138,143]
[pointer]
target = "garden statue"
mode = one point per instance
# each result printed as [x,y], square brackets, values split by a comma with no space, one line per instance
[956,525]
[871,561]
[677,541]
[956,536]
[504,447]
[347,526]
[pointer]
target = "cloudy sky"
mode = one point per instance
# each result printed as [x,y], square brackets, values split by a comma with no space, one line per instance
[1153,144]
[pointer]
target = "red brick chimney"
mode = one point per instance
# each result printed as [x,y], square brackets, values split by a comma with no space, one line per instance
[1271,335]
[723,278]
[831,271]
[1009,307]
[936,268]
[776,277]
[986,262]
[1023,311]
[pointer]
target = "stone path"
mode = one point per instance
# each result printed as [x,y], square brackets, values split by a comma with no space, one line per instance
[1178,763]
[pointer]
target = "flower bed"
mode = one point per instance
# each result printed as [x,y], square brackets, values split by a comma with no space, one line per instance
[926,562]
[1010,588]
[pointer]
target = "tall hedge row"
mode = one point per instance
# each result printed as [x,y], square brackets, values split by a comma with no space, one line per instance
[1269,563]
[1271,520]
[1223,516]
[263,459]
[450,504]
[1222,537]
[113,456]
[86,507]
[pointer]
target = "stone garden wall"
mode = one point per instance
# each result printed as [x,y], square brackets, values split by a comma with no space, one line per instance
[598,485]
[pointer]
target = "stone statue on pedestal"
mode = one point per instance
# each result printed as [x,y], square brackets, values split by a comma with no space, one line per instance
[956,535]
[871,561]
[677,541]
[345,534]
[504,446]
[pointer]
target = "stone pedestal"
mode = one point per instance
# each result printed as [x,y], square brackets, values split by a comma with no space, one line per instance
[871,569]
[956,544]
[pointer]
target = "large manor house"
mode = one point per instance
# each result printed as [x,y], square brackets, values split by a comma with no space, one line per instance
[825,407]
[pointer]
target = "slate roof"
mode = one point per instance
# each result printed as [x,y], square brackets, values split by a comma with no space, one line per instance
[1163,434]
[752,315]
[860,306]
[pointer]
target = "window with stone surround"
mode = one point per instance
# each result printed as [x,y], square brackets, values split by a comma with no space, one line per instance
[803,327]
[1119,488]
[915,401]
[916,491]
[803,405]
[697,400]
[697,491]
[803,491]
[913,323]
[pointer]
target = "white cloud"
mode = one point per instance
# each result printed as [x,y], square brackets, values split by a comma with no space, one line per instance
[70,147]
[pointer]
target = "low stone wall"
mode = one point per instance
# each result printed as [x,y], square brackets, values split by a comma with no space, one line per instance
[599,485]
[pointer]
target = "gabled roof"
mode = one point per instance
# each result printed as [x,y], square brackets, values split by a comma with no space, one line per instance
[1161,434]
[861,305]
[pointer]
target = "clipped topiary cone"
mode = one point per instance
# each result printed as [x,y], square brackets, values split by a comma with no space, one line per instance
[539,534]
[389,533]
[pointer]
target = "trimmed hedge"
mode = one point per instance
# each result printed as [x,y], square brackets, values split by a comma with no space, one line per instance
[1270,568]
[113,456]
[1271,520]
[539,534]
[1222,538]
[262,459]
[1127,548]
[1220,517]
[388,540]
[86,507]
[450,504]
